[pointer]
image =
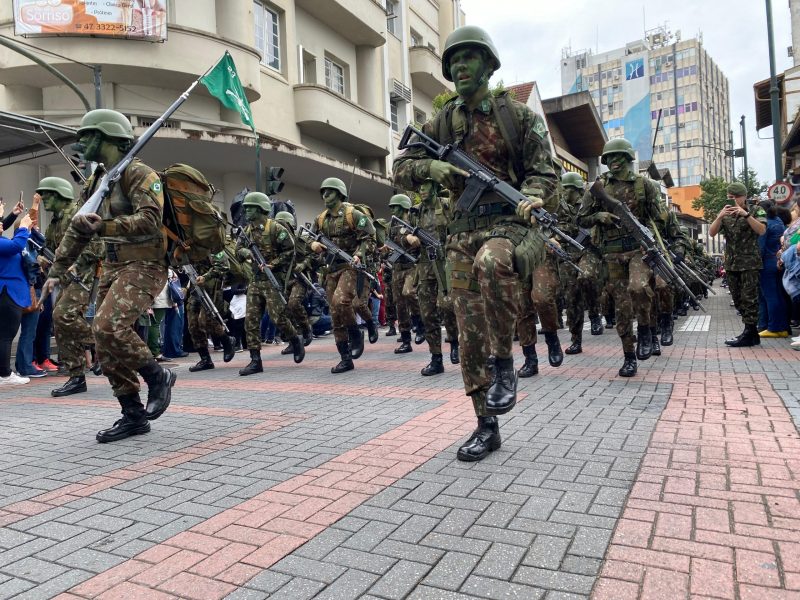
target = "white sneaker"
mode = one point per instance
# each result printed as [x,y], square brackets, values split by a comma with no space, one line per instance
[14,379]
[796,339]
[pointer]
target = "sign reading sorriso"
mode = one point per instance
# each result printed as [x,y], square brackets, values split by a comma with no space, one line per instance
[129,19]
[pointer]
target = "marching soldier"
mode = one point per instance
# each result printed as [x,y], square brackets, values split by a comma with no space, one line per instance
[277,247]
[491,249]
[134,271]
[403,274]
[304,261]
[352,231]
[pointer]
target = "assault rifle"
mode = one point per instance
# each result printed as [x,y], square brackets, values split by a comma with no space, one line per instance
[397,252]
[654,256]
[203,296]
[37,240]
[335,252]
[479,181]
[687,271]
[432,244]
[91,309]
[260,261]
[563,256]
[303,278]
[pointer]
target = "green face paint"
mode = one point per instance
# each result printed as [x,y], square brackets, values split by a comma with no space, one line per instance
[469,70]
[617,163]
[253,214]
[330,197]
[398,211]
[425,191]
[88,145]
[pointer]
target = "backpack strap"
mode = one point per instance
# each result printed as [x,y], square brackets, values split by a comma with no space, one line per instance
[321,219]
[348,215]
[510,130]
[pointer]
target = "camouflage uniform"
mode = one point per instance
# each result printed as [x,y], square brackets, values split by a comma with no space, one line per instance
[72,330]
[304,262]
[403,284]
[341,281]
[628,276]
[743,262]
[277,247]
[201,324]
[134,272]
[481,246]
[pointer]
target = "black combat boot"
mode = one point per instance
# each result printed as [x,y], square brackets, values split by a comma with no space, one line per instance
[629,367]
[298,349]
[405,343]
[308,337]
[531,366]
[346,364]
[254,366]
[356,339]
[610,321]
[159,382]
[577,344]
[133,422]
[554,354]
[682,309]
[205,363]
[420,332]
[74,385]
[596,325]
[435,366]
[644,342]
[289,349]
[454,355]
[228,348]
[749,337]
[665,320]
[97,368]
[392,331]
[502,394]
[656,346]
[485,439]
[372,331]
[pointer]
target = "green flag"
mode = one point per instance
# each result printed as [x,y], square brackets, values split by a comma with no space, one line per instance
[223,83]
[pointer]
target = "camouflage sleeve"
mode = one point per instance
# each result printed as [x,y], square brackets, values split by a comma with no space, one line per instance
[91,255]
[68,251]
[588,209]
[284,246]
[365,233]
[541,178]
[147,201]
[302,255]
[413,166]
[219,267]
[759,214]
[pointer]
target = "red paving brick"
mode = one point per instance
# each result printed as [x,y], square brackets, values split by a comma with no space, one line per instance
[723,501]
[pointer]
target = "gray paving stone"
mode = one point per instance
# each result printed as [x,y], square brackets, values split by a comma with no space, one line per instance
[297,566]
[244,593]
[412,552]
[590,542]
[554,580]
[298,589]
[414,529]
[370,535]
[33,569]
[485,587]
[365,561]
[53,587]
[452,570]
[546,552]
[500,561]
[400,580]
[352,585]
[271,581]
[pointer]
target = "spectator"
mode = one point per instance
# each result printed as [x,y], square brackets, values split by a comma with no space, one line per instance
[318,312]
[25,364]
[790,248]
[14,296]
[237,306]
[161,303]
[773,319]
[173,321]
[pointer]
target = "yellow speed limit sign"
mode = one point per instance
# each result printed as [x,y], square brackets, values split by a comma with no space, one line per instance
[780,192]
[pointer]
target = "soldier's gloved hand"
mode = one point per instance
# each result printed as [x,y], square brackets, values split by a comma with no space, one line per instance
[89,223]
[42,261]
[446,174]
[317,247]
[200,280]
[606,218]
[413,241]
[244,254]
[555,242]
[525,207]
[49,285]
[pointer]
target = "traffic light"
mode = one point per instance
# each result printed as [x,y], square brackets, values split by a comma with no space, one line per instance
[274,183]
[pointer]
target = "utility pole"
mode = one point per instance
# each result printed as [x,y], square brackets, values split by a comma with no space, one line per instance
[774,99]
[744,150]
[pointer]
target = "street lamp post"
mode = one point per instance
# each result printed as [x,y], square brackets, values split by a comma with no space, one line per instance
[774,98]
[744,151]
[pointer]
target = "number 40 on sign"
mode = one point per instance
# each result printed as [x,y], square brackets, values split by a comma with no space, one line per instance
[780,192]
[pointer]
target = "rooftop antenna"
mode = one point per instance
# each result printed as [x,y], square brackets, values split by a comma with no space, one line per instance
[644,21]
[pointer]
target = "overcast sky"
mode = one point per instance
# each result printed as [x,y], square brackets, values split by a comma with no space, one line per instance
[530,35]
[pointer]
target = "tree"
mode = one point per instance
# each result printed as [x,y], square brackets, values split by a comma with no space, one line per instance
[714,194]
[440,100]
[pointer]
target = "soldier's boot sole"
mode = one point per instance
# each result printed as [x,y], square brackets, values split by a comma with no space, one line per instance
[120,433]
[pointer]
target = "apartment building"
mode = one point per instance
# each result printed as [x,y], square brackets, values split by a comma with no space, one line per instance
[331,86]
[664,94]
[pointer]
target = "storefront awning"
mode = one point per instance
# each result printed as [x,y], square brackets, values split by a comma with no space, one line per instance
[24,138]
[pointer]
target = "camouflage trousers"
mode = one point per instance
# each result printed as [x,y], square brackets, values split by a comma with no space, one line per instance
[405,300]
[744,287]
[340,287]
[295,305]
[201,325]
[526,314]
[629,279]
[435,308]
[484,288]
[662,300]
[72,330]
[581,292]
[388,299]
[361,301]
[261,297]
[545,291]
[126,291]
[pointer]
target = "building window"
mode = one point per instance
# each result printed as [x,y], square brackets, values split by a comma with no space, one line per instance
[393,17]
[394,107]
[334,76]
[416,39]
[268,40]
[419,116]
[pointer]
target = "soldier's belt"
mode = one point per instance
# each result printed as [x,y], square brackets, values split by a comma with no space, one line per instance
[474,223]
[623,244]
[118,253]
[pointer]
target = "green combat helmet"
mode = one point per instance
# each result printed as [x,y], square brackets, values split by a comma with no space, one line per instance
[617,146]
[400,200]
[573,180]
[468,35]
[62,187]
[334,183]
[109,122]
[284,217]
[258,199]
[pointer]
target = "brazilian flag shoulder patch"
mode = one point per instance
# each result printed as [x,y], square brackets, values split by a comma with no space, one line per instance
[282,236]
[362,222]
[156,186]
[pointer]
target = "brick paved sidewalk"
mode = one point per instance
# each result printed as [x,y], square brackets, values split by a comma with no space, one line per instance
[681,482]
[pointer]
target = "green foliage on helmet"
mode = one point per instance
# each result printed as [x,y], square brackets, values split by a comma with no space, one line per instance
[62,187]
[334,183]
[284,217]
[400,200]
[258,199]
[111,123]
[617,146]
[468,35]
[573,180]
